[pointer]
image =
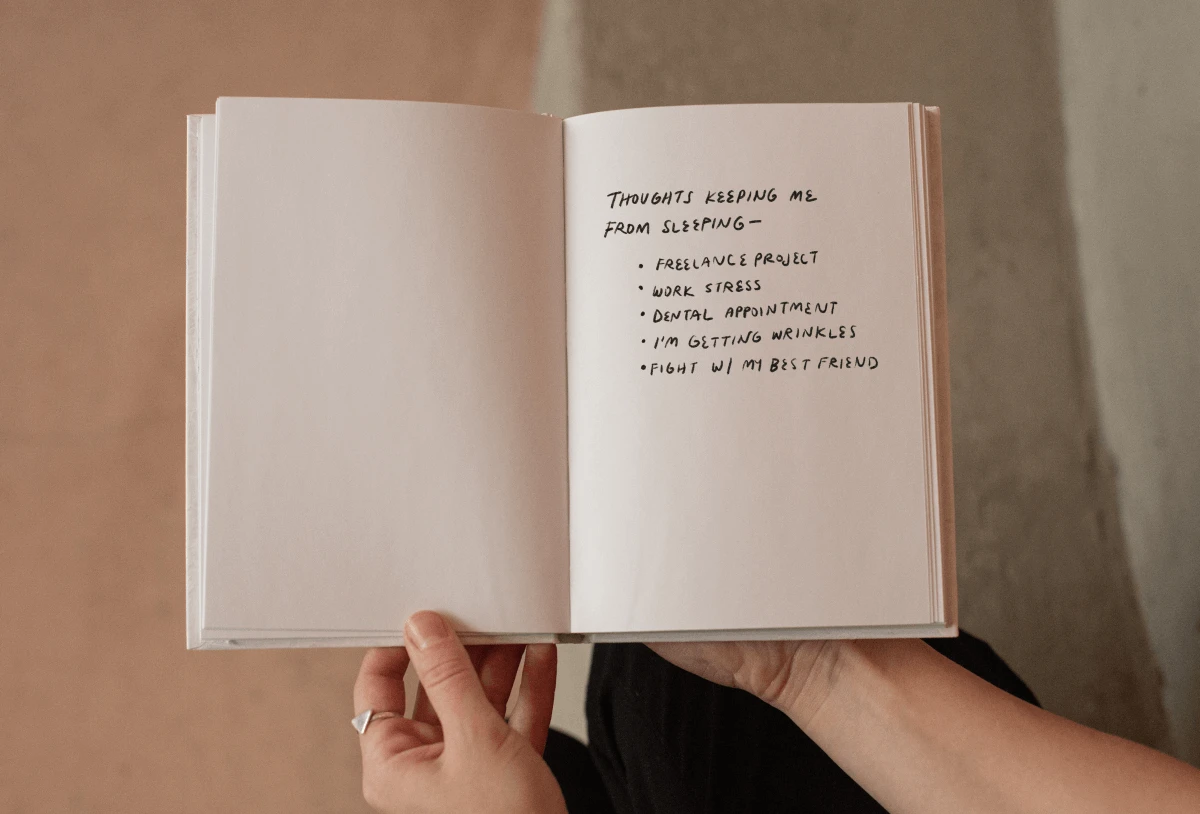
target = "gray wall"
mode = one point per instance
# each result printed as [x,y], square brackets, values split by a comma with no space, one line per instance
[1131,103]
[1043,570]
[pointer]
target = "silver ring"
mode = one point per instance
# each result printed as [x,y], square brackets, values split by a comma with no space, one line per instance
[362,720]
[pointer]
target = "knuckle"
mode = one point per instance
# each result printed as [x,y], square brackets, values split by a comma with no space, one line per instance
[510,748]
[777,681]
[446,673]
[742,670]
[764,669]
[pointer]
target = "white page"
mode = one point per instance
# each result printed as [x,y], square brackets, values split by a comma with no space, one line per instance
[748,499]
[388,372]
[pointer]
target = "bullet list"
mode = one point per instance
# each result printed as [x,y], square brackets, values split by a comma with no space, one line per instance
[643,314]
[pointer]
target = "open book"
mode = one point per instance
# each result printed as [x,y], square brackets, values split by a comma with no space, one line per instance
[668,373]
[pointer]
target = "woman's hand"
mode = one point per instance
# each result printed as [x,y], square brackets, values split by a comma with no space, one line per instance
[457,753]
[922,734]
[795,677]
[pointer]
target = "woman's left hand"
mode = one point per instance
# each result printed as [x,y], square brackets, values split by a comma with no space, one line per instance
[457,753]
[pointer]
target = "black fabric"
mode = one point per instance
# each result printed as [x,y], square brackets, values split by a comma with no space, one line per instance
[664,740]
[573,767]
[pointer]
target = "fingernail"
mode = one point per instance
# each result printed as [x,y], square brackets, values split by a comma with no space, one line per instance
[425,628]
[540,652]
[487,677]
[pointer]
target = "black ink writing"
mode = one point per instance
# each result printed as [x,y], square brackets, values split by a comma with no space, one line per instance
[672,291]
[672,227]
[732,286]
[785,260]
[784,307]
[686,314]
[621,198]
[816,332]
[708,261]
[706,342]
[660,368]
[620,228]
[737,196]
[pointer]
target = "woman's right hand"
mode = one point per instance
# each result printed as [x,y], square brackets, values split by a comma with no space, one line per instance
[793,676]
[922,734]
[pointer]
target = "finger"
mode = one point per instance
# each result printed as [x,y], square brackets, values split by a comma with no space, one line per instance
[380,682]
[498,673]
[535,699]
[380,686]
[423,710]
[450,681]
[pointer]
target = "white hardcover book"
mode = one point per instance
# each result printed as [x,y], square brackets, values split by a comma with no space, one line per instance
[669,373]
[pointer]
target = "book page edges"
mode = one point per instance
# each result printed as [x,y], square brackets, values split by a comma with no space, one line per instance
[764,634]
[941,365]
[191,386]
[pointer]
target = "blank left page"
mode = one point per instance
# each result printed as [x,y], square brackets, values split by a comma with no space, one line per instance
[388,404]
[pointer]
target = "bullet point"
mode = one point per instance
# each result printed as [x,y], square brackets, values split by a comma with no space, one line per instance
[639,265]
[643,313]
[639,288]
[643,367]
[643,341]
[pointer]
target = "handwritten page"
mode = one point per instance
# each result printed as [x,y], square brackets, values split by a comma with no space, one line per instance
[388,427]
[745,391]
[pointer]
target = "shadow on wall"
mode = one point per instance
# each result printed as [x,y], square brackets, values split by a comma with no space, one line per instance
[1042,566]
[1132,115]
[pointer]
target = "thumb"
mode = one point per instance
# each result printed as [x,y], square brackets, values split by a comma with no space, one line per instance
[449,679]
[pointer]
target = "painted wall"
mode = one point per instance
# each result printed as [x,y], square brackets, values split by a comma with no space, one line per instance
[1130,75]
[101,707]
[1043,569]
